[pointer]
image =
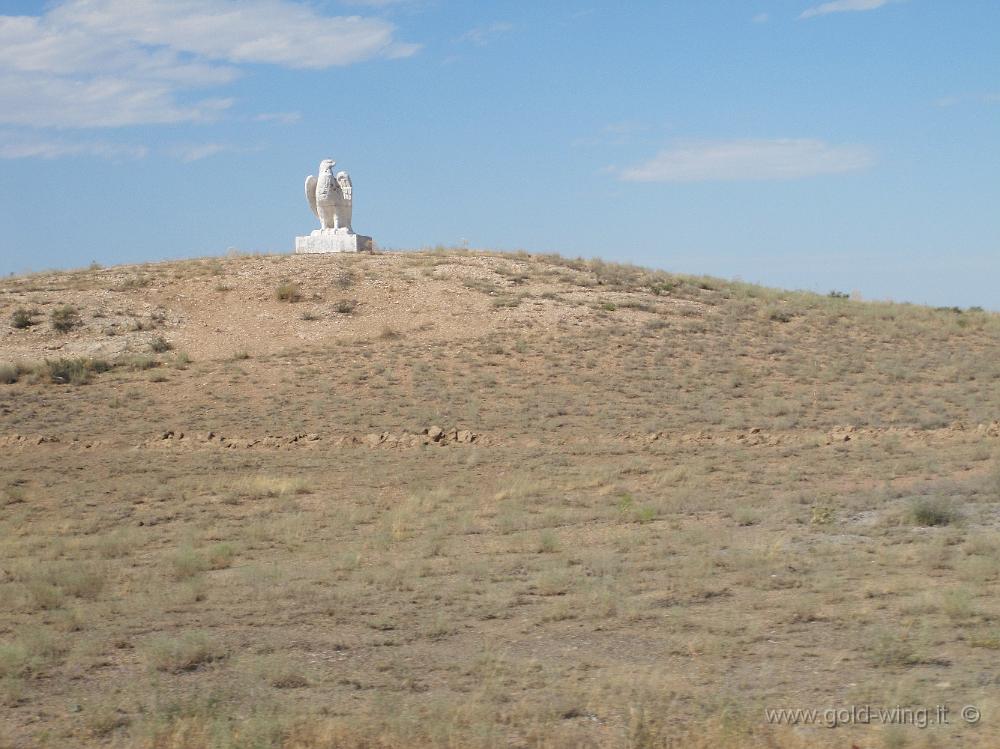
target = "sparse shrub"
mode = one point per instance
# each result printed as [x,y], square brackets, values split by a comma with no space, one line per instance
[103,720]
[185,653]
[220,556]
[991,484]
[181,360]
[309,316]
[957,604]
[140,363]
[64,318]
[933,511]
[160,345]
[479,284]
[388,334]
[9,374]
[12,495]
[821,515]
[22,318]
[185,563]
[660,289]
[259,487]
[14,660]
[116,545]
[78,580]
[839,295]
[344,280]
[48,587]
[69,371]
[43,595]
[630,512]
[288,292]
[345,306]
[133,282]
[282,673]
[637,305]
[548,543]
[609,306]
[989,639]
[241,356]
[780,315]
[507,301]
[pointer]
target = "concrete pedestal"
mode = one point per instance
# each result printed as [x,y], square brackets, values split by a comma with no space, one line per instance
[333,240]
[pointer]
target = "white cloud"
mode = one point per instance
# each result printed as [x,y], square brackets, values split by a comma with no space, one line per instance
[282,118]
[54,101]
[109,63]
[760,18]
[784,159]
[842,6]
[13,146]
[483,35]
[278,32]
[188,152]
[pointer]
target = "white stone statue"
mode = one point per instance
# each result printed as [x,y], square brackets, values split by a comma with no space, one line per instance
[331,198]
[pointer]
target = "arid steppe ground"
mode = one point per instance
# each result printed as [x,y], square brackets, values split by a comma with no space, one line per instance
[462,499]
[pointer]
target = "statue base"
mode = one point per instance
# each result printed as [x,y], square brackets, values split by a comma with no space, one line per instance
[332,240]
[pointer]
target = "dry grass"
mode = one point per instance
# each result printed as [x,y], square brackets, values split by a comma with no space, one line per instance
[688,500]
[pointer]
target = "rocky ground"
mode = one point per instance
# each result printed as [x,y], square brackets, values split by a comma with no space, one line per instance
[452,499]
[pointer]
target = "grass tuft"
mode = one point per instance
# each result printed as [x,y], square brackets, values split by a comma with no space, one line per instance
[288,292]
[187,652]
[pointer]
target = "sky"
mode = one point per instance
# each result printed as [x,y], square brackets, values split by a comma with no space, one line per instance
[849,145]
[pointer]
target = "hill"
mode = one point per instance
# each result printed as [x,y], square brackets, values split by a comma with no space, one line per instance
[449,499]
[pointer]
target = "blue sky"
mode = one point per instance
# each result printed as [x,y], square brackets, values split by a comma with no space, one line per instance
[848,144]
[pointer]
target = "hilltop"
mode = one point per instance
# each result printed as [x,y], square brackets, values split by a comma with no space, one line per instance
[460,498]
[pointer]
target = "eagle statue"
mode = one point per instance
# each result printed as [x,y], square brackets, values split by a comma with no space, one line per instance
[330,197]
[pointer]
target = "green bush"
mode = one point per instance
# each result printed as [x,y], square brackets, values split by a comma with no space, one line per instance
[22,318]
[933,511]
[65,318]
[68,371]
[72,371]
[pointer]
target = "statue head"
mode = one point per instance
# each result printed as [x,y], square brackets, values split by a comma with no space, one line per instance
[326,166]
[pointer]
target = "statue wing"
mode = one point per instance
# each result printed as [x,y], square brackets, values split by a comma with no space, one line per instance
[311,194]
[349,190]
